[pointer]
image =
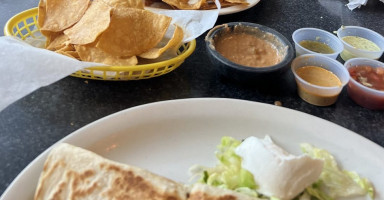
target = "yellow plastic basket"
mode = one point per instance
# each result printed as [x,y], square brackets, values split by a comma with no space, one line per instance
[24,25]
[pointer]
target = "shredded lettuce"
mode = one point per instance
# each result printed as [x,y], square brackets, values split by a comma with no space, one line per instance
[228,173]
[304,196]
[334,182]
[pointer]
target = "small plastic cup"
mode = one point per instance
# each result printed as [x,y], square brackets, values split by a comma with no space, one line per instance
[314,94]
[353,52]
[318,35]
[360,94]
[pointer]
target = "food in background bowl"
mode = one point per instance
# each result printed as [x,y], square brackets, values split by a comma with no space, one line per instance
[319,79]
[318,76]
[316,41]
[247,49]
[316,46]
[248,52]
[366,86]
[360,42]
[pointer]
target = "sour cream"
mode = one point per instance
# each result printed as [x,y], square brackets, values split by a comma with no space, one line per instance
[277,172]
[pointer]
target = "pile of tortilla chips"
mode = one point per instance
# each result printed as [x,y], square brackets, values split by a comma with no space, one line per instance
[197,4]
[113,32]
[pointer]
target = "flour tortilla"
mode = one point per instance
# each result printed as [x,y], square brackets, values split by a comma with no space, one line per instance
[74,173]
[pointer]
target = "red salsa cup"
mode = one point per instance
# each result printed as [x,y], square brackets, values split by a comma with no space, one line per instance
[366,85]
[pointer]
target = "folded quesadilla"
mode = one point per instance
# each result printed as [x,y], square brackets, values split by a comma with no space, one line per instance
[74,173]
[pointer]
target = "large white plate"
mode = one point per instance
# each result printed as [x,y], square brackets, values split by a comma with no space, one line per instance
[169,137]
[226,10]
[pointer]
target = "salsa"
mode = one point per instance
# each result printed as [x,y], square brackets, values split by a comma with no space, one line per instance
[321,77]
[318,76]
[316,46]
[368,76]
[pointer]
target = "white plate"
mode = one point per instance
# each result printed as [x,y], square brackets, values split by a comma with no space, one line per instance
[169,137]
[226,10]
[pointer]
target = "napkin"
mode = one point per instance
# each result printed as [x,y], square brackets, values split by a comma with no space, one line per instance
[25,68]
[357,3]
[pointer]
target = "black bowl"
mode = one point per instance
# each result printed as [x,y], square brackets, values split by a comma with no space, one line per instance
[245,73]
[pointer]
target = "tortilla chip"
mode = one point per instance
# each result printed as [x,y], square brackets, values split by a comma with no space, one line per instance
[58,42]
[91,53]
[125,3]
[68,53]
[67,47]
[210,4]
[61,14]
[185,4]
[133,31]
[68,50]
[150,2]
[73,54]
[42,12]
[243,2]
[95,21]
[50,36]
[174,42]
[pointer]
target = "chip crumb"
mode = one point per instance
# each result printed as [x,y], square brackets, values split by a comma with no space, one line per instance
[278,103]
[72,123]
[86,82]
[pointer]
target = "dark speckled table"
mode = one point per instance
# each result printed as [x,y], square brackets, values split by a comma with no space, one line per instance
[38,120]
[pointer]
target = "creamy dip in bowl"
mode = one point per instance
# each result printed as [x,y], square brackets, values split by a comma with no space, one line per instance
[248,52]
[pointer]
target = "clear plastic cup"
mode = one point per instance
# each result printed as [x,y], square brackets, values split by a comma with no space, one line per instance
[314,94]
[314,34]
[360,94]
[352,52]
